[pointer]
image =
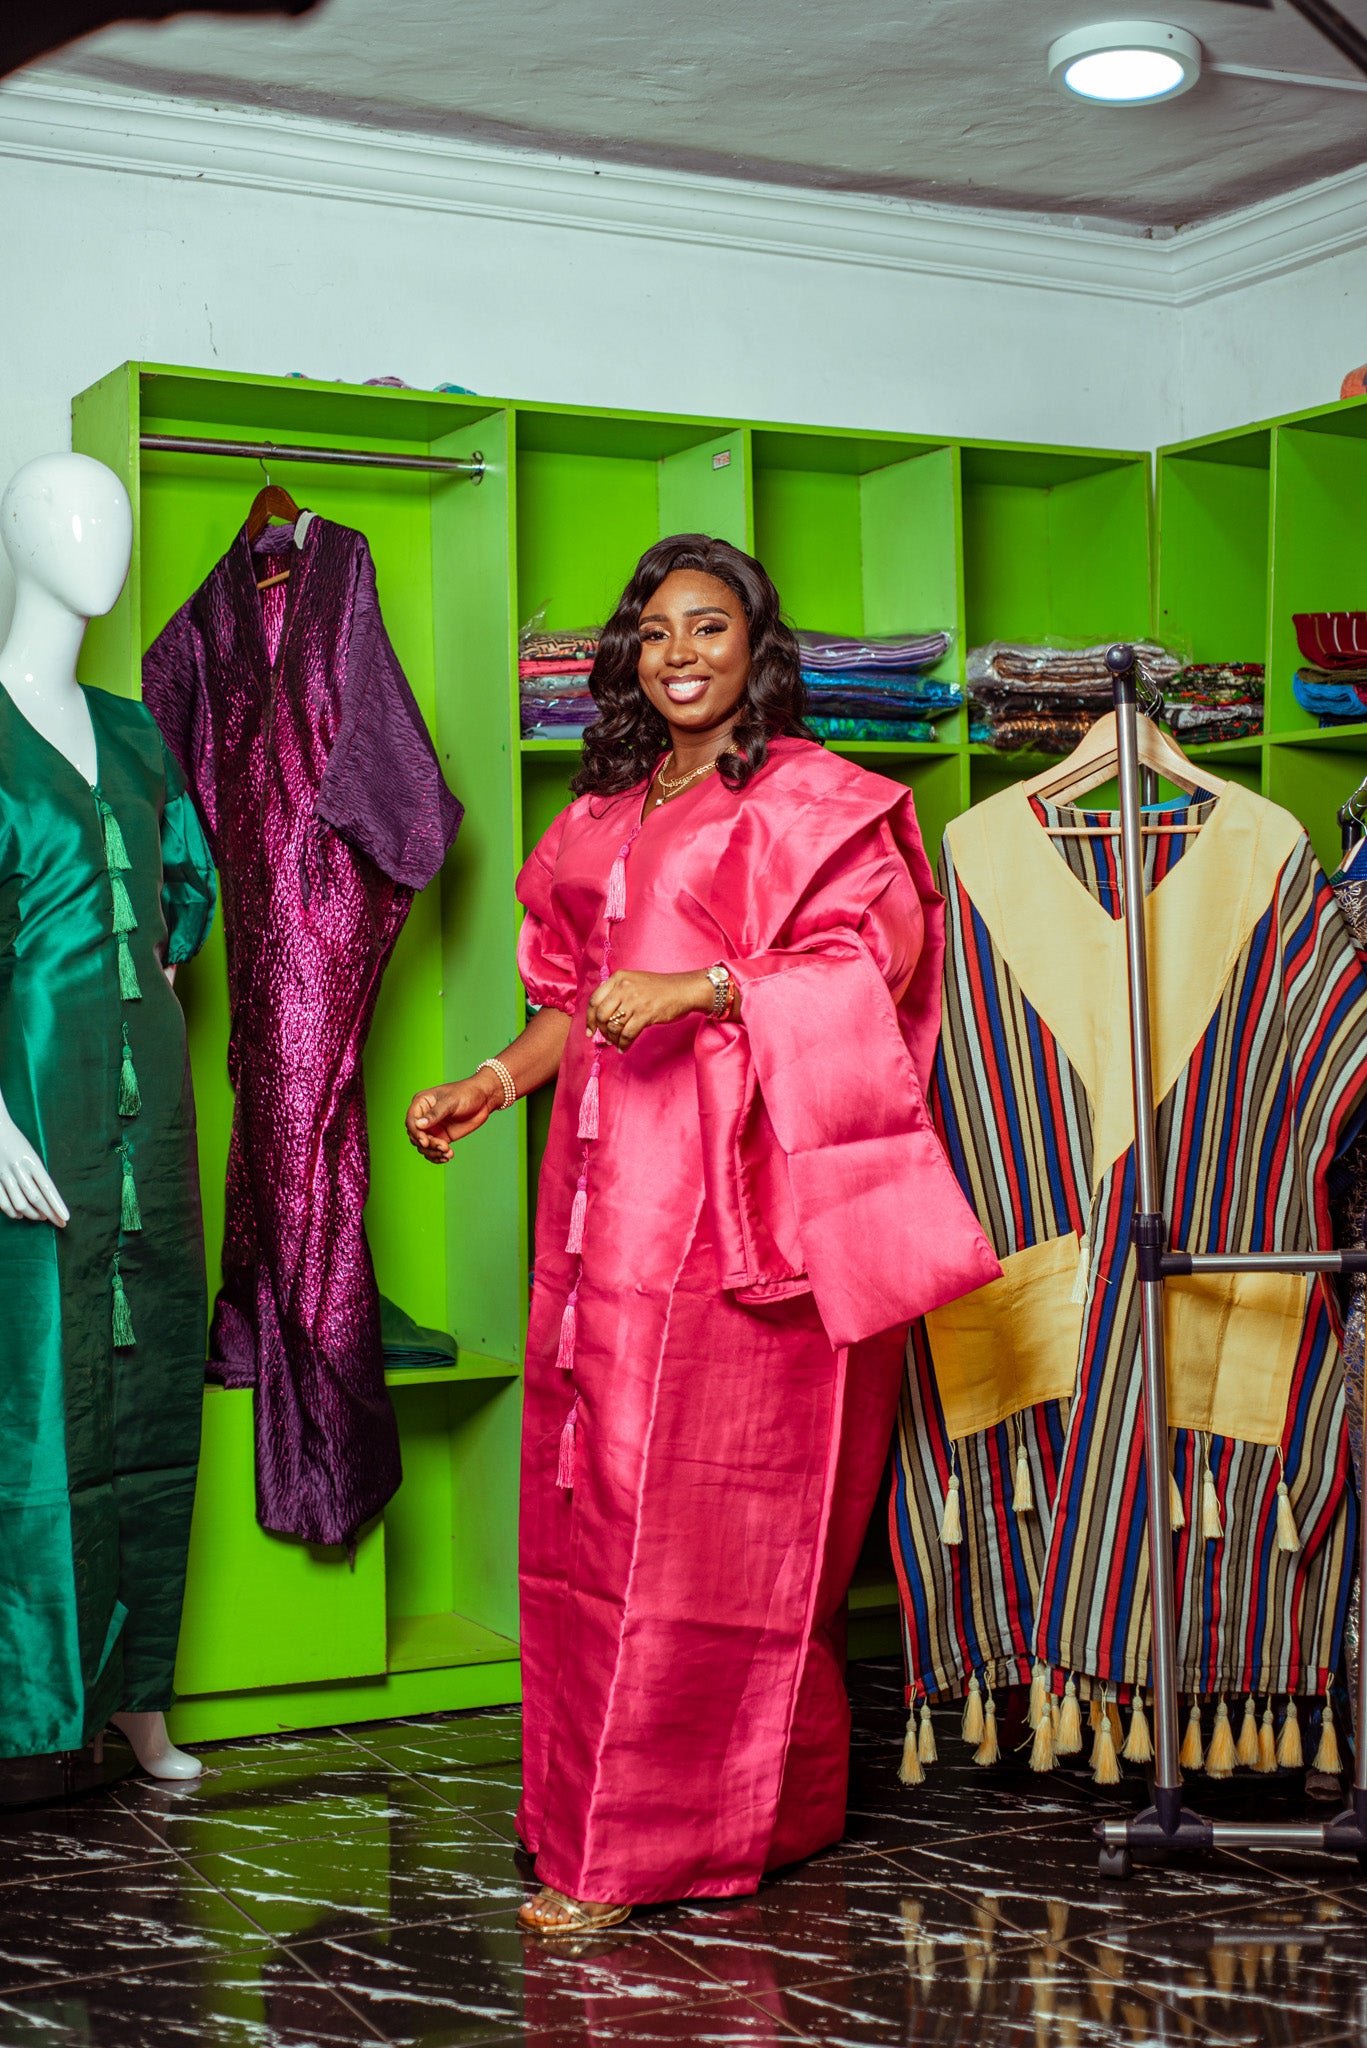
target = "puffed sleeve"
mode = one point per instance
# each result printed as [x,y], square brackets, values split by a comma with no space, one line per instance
[189,886]
[823,1165]
[546,955]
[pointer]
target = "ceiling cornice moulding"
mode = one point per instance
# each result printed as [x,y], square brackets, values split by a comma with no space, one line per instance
[56,121]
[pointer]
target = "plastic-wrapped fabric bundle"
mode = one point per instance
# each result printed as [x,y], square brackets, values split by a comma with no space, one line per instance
[838,728]
[553,683]
[895,695]
[1044,698]
[840,653]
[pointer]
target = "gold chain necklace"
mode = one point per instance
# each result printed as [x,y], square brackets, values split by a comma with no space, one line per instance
[670,788]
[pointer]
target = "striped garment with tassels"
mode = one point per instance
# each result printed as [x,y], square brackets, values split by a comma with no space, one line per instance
[614,910]
[1246,1137]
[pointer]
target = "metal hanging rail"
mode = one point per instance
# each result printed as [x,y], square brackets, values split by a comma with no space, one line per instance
[1168,1825]
[471,466]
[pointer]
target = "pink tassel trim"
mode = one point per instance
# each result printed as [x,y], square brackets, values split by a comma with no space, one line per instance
[575,1241]
[564,1477]
[615,909]
[588,1107]
[564,1357]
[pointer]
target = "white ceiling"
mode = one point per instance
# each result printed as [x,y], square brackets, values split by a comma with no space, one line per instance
[928,99]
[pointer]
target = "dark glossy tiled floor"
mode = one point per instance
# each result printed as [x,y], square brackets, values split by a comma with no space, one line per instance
[359,1886]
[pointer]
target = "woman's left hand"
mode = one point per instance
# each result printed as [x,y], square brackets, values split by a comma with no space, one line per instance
[629,1001]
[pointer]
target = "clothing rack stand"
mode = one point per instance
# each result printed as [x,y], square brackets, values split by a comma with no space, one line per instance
[1167,1825]
[471,466]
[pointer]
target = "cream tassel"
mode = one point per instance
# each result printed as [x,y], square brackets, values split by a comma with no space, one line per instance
[971,1727]
[1290,1754]
[1039,1693]
[1105,1766]
[1068,1738]
[1267,1741]
[1023,1499]
[1094,1712]
[1212,1528]
[1247,1750]
[952,1526]
[911,1771]
[1139,1744]
[1177,1513]
[1222,1756]
[1078,1297]
[1191,1756]
[1327,1756]
[1288,1535]
[1042,1756]
[925,1740]
[988,1750]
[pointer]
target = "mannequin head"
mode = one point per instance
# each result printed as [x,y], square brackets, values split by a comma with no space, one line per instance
[67,527]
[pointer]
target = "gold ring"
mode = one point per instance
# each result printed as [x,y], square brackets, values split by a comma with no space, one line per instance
[617,1017]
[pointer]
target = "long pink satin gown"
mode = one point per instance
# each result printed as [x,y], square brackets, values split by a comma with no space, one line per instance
[735,1224]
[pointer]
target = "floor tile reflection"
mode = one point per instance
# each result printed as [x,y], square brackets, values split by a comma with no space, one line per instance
[358,1885]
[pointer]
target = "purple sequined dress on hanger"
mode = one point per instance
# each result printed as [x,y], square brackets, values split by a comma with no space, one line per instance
[300,740]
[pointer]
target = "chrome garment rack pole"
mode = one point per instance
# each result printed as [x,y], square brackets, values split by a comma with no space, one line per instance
[1168,1825]
[471,466]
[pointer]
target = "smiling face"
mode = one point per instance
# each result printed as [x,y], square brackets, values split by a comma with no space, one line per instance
[695,653]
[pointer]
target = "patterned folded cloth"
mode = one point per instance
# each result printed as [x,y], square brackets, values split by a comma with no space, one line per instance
[1213,721]
[537,646]
[1218,682]
[1042,732]
[1336,694]
[1067,669]
[870,728]
[562,667]
[901,692]
[833,652]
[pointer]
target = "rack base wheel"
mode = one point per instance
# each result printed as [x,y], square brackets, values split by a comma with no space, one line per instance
[1116,1864]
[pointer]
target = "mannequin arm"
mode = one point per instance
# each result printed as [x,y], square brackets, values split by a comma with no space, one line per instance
[26,1192]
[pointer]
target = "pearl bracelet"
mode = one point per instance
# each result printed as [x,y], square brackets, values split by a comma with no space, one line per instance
[506,1080]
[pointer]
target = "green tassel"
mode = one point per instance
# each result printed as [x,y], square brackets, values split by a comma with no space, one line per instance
[130,1215]
[130,1095]
[124,919]
[115,852]
[124,1340]
[128,973]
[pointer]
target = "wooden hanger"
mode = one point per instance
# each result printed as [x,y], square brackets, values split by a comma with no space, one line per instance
[1094,760]
[272,501]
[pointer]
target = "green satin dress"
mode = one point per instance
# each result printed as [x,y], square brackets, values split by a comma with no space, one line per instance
[103,1327]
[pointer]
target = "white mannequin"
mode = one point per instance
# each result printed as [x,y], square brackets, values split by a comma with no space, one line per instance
[67,527]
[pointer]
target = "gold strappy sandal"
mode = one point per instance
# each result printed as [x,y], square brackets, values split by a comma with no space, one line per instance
[572,1916]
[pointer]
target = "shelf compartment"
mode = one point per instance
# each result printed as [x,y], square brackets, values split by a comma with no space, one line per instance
[1215,513]
[859,534]
[1319,548]
[432,1642]
[594,493]
[470,1366]
[1055,545]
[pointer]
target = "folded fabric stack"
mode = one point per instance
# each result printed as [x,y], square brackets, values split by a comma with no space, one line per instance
[875,689]
[1332,683]
[553,682]
[1215,700]
[1044,698]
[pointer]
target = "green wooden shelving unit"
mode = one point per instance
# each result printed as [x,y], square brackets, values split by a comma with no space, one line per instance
[863,532]
[1254,525]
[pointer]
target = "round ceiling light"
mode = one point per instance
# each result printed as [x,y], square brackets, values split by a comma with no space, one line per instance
[1126,63]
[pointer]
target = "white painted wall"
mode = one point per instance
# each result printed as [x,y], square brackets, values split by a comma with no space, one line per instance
[176,233]
[97,266]
[1274,347]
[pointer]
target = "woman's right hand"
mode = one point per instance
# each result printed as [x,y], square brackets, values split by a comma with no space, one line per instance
[440,1117]
[27,1194]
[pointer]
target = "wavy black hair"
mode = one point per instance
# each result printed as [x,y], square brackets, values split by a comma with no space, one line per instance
[628,736]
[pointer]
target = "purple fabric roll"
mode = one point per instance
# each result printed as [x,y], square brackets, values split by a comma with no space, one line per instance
[835,651]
